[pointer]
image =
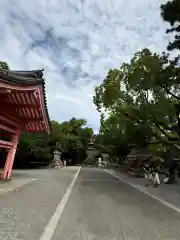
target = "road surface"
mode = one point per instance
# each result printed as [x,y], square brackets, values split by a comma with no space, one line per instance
[90,205]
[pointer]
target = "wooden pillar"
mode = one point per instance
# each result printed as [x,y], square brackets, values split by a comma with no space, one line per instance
[11,155]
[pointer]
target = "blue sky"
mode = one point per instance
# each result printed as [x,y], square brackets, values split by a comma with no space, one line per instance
[77,42]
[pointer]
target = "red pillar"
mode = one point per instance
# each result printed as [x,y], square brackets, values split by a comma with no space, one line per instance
[11,156]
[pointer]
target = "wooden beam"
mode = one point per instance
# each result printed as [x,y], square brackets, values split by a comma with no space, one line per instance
[4,91]
[9,105]
[14,119]
[33,121]
[17,118]
[9,121]
[5,134]
[8,129]
[9,113]
[21,105]
[25,120]
[5,144]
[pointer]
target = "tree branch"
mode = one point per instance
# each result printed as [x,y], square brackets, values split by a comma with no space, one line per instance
[178,123]
[172,94]
[134,118]
[171,140]
[164,132]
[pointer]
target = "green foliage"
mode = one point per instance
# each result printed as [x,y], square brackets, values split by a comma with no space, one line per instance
[142,99]
[170,13]
[3,65]
[70,136]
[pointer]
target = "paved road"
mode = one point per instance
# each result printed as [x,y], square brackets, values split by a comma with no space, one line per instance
[100,207]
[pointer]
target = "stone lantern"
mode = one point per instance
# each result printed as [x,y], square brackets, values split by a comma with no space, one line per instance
[90,145]
[91,153]
[57,162]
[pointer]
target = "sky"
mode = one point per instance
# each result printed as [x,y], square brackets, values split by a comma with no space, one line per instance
[77,42]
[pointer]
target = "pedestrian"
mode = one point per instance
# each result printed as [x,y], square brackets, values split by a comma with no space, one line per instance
[64,162]
[99,161]
[151,170]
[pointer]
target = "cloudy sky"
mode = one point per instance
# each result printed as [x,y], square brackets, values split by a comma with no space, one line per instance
[76,42]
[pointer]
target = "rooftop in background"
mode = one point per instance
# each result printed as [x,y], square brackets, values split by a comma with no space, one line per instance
[23,100]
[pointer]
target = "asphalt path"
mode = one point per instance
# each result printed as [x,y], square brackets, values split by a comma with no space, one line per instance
[83,204]
[102,207]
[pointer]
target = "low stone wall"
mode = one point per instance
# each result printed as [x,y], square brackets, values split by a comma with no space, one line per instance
[132,172]
[55,164]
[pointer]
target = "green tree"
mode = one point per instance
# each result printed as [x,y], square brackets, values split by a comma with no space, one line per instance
[77,135]
[4,65]
[72,136]
[146,92]
[112,137]
[170,13]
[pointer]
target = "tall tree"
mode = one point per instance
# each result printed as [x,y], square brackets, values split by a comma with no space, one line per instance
[170,13]
[146,91]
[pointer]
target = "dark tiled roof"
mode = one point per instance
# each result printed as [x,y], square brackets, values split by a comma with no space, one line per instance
[34,77]
[22,77]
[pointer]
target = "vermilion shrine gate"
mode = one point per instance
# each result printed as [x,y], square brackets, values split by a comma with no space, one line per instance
[22,109]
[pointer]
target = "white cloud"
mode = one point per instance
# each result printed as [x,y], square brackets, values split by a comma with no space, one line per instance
[77,42]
